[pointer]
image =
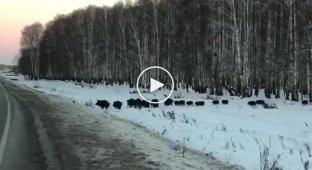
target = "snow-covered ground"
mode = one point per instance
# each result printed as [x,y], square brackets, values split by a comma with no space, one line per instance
[234,133]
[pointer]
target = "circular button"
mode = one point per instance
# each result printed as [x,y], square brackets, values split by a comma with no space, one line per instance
[154,84]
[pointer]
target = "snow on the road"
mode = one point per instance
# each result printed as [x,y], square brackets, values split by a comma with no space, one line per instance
[234,133]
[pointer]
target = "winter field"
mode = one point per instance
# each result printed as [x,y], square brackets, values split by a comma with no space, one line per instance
[253,137]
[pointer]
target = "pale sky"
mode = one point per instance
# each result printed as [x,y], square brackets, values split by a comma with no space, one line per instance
[15,14]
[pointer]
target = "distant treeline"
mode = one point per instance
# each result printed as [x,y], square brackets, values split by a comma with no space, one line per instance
[240,45]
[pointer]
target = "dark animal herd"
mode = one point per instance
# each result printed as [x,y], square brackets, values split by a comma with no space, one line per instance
[138,103]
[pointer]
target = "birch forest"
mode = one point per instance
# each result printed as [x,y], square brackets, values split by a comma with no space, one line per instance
[236,45]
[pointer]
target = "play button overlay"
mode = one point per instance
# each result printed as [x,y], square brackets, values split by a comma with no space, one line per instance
[149,77]
[154,85]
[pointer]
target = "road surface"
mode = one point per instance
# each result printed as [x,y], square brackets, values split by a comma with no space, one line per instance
[20,146]
[49,132]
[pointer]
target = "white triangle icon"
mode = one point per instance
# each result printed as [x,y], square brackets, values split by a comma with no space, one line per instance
[155,85]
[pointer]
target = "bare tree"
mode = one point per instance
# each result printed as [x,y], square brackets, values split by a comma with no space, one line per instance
[31,37]
[237,45]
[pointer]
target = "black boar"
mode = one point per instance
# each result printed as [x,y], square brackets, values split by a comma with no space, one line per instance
[117,105]
[189,103]
[304,102]
[155,104]
[168,102]
[252,103]
[215,102]
[145,104]
[225,102]
[131,102]
[102,104]
[260,102]
[200,103]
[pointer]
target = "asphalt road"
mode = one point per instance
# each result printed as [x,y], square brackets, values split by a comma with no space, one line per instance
[20,146]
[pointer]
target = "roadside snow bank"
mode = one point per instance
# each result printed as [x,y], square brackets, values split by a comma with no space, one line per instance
[234,133]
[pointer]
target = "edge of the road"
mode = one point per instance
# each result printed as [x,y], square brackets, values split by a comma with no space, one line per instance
[6,127]
[51,162]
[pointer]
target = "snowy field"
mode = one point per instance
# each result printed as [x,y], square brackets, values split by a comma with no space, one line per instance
[252,137]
